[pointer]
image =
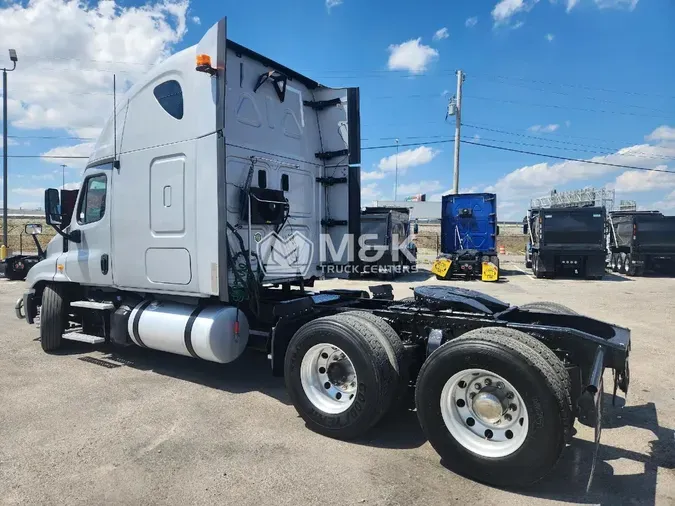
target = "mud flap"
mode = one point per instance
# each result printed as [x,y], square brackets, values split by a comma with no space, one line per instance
[597,404]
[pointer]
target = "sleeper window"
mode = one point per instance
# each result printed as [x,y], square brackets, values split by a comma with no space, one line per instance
[285,186]
[92,202]
[170,96]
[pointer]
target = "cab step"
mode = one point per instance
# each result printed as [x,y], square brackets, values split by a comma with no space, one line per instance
[83,338]
[90,304]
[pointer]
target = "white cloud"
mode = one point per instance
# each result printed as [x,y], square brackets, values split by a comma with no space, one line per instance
[534,180]
[441,34]
[370,192]
[69,50]
[519,24]
[408,158]
[571,4]
[550,37]
[411,55]
[445,93]
[42,177]
[505,9]
[31,192]
[83,149]
[662,133]
[665,205]
[196,20]
[471,22]
[420,187]
[544,129]
[568,123]
[617,4]
[642,181]
[372,175]
[332,3]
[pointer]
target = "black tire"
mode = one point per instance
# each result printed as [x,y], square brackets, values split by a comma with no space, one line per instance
[615,262]
[440,278]
[547,307]
[394,346]
[543,393]
[629,266]
[53,316]
[375,367]
[622,263]
[535,266]
[547,354]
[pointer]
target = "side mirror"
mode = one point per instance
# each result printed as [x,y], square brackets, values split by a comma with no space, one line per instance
[33,229]
[525,229]
[497,229]
[416,229]
[52,207]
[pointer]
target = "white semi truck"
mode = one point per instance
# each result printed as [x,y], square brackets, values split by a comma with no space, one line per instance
[194,233]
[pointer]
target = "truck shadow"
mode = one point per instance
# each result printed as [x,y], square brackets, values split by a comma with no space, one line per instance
[249,373]
[621,476]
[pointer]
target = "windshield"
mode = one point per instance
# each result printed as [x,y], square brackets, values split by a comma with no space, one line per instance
[377,226]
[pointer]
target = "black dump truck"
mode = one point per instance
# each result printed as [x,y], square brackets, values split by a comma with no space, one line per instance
[382,230]
[639,241]
[566,239]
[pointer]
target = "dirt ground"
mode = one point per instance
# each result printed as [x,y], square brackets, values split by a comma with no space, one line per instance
[93,425]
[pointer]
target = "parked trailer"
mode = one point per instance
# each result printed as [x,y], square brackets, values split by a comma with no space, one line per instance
[568,239]
[468,237]
[639,241]
[386,235]
[190,270]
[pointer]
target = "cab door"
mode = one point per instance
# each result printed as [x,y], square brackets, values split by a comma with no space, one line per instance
[88,262]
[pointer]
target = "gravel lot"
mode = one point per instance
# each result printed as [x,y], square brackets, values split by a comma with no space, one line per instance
[143,427]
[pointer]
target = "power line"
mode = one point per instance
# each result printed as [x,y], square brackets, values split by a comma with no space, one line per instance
[579,86]
[568,108]
[634,154]
[562,93]
[66,137]
[48,157]
[565,158]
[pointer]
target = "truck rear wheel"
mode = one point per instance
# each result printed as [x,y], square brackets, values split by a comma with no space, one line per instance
[53,316]
[615,262]
[493,408]
[535,266]
[340,375]
[629,266]
[395,350]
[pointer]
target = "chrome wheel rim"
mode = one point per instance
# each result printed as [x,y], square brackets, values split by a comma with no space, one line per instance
[328,378]
[484,413]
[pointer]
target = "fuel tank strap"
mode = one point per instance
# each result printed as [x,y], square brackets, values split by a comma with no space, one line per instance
[188,331]
[137,318]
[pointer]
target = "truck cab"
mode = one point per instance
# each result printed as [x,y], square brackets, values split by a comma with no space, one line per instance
[387,240]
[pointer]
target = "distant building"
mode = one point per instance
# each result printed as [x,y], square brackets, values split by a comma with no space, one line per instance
[419,210]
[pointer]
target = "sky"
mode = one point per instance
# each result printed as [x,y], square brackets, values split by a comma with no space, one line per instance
[582,79]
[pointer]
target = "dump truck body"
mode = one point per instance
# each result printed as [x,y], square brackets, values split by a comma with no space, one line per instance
[566,239]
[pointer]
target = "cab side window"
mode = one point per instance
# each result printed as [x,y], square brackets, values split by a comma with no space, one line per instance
[170,96]
[92,204]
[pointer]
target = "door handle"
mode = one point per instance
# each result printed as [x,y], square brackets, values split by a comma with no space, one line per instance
[104,264]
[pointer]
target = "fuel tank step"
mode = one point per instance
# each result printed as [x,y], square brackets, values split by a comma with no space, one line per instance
[83,338]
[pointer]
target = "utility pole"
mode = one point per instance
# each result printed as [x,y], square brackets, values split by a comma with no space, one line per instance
[63,176]
[458,125]
[13,59]
[396,178]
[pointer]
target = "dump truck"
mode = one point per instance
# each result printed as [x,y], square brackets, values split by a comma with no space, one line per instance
[640,241]
[387,241]
[468,237]
[216,196]
[566,240]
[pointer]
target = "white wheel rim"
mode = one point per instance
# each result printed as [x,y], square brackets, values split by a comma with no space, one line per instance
[328,378]
[484,413]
